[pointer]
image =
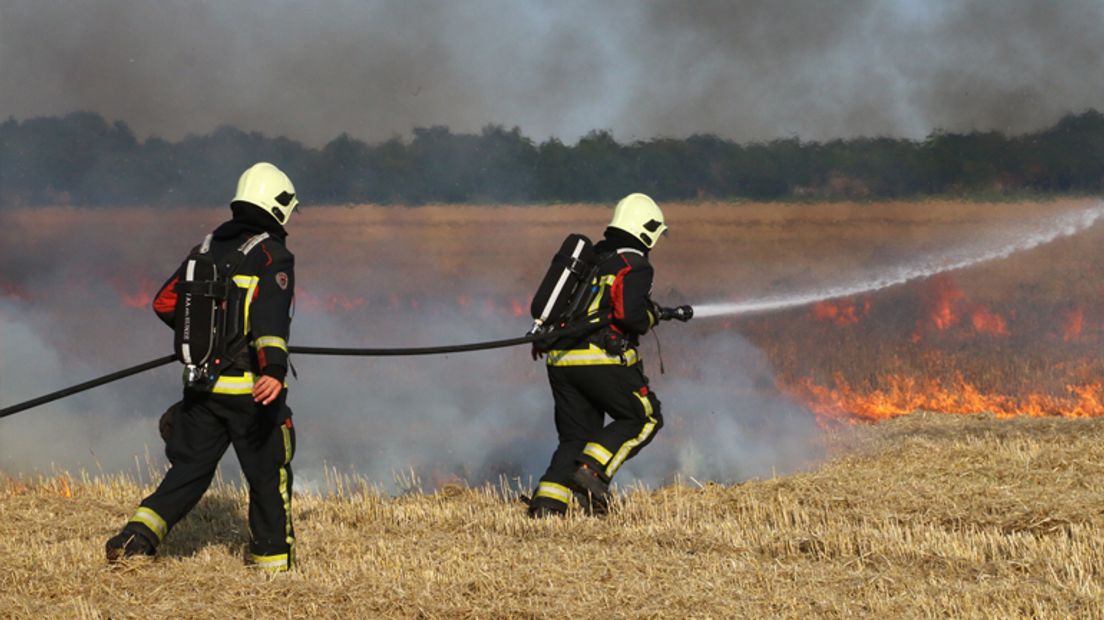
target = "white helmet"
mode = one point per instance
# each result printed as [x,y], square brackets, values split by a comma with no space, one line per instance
[639,215]
[267,187]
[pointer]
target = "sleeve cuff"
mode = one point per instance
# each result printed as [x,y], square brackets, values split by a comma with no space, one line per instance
[275,371]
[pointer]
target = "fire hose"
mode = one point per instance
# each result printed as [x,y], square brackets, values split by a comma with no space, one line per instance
[339,351]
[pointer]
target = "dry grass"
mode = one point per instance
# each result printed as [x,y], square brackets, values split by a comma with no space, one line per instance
[927,515]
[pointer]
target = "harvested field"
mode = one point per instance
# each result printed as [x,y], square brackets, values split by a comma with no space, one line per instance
[925,515]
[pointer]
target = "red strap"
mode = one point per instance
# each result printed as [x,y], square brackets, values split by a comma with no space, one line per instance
[165,302]
[617,291]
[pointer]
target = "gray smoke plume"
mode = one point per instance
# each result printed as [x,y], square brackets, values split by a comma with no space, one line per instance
[471,417]
[749,70]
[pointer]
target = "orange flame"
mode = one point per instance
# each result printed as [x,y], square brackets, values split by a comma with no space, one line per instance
[987,322]
[843,312]
[64,490]
[843,403]
[136,294]
[946,295]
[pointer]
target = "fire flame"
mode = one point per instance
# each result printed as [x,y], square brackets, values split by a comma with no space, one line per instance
[946,305]
[988,322]
[844,403]
[64,490]
[136,292]
[945,296]
[843,312]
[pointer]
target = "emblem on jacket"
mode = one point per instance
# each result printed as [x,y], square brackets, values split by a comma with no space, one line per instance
[282,280]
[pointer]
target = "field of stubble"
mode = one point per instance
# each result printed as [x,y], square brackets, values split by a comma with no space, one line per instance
[927,515]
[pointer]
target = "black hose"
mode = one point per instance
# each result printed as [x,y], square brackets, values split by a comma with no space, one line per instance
[87,385]
[456,348]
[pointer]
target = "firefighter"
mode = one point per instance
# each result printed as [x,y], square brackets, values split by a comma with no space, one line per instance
[245,406]
[600,373]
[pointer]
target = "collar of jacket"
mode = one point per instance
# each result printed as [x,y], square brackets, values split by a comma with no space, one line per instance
[251,220]
[616,239]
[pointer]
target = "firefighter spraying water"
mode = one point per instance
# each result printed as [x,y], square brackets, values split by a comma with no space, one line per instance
[608,286]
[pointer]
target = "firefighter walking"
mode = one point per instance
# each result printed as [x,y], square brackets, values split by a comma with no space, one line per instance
[238,397]
[601,373]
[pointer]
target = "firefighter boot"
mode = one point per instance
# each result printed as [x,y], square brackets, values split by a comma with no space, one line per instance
[542,508]
[128,544]
[595,488]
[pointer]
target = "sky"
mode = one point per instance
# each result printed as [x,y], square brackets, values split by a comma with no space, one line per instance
[746,70]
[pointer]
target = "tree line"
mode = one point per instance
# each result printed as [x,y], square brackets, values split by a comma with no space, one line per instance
[82,159]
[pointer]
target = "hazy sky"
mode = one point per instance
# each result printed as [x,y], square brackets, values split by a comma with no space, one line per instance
[746,70]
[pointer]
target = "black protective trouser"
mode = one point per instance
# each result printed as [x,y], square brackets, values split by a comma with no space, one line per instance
[583,396]
[264,440]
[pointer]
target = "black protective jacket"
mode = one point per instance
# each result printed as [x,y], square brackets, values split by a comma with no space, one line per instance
[268,278]
[624,281]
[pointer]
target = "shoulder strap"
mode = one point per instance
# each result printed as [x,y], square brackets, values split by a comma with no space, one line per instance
[252,243]
[243,251]
[205,247]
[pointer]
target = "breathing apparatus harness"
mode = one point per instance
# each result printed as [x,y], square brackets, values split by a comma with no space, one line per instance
[567,291]
[209,331]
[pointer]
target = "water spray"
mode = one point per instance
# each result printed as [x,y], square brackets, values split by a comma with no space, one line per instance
[1064,225]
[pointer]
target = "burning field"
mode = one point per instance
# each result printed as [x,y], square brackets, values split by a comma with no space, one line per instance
[745,394]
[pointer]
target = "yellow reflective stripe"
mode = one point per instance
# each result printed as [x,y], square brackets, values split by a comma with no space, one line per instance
[279,562]
[598,452]
[646,403]
[152,520]
[593,356]
[603,283]
[287,443]
[246,281]
[270,341]
[285,495]
[234,385]
[627,447]
[249,283]
[551,490]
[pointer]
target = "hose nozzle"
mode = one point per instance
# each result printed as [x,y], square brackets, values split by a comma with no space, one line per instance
[680,313]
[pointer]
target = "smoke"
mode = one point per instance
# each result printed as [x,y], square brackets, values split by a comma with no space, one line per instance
[472,417]
[110,429]
[748,71]
[997,243]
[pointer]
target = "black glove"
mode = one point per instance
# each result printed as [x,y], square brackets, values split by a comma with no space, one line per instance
[681,313]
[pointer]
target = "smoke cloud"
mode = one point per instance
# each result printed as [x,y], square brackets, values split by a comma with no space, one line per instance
[747,71]
[473,417]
